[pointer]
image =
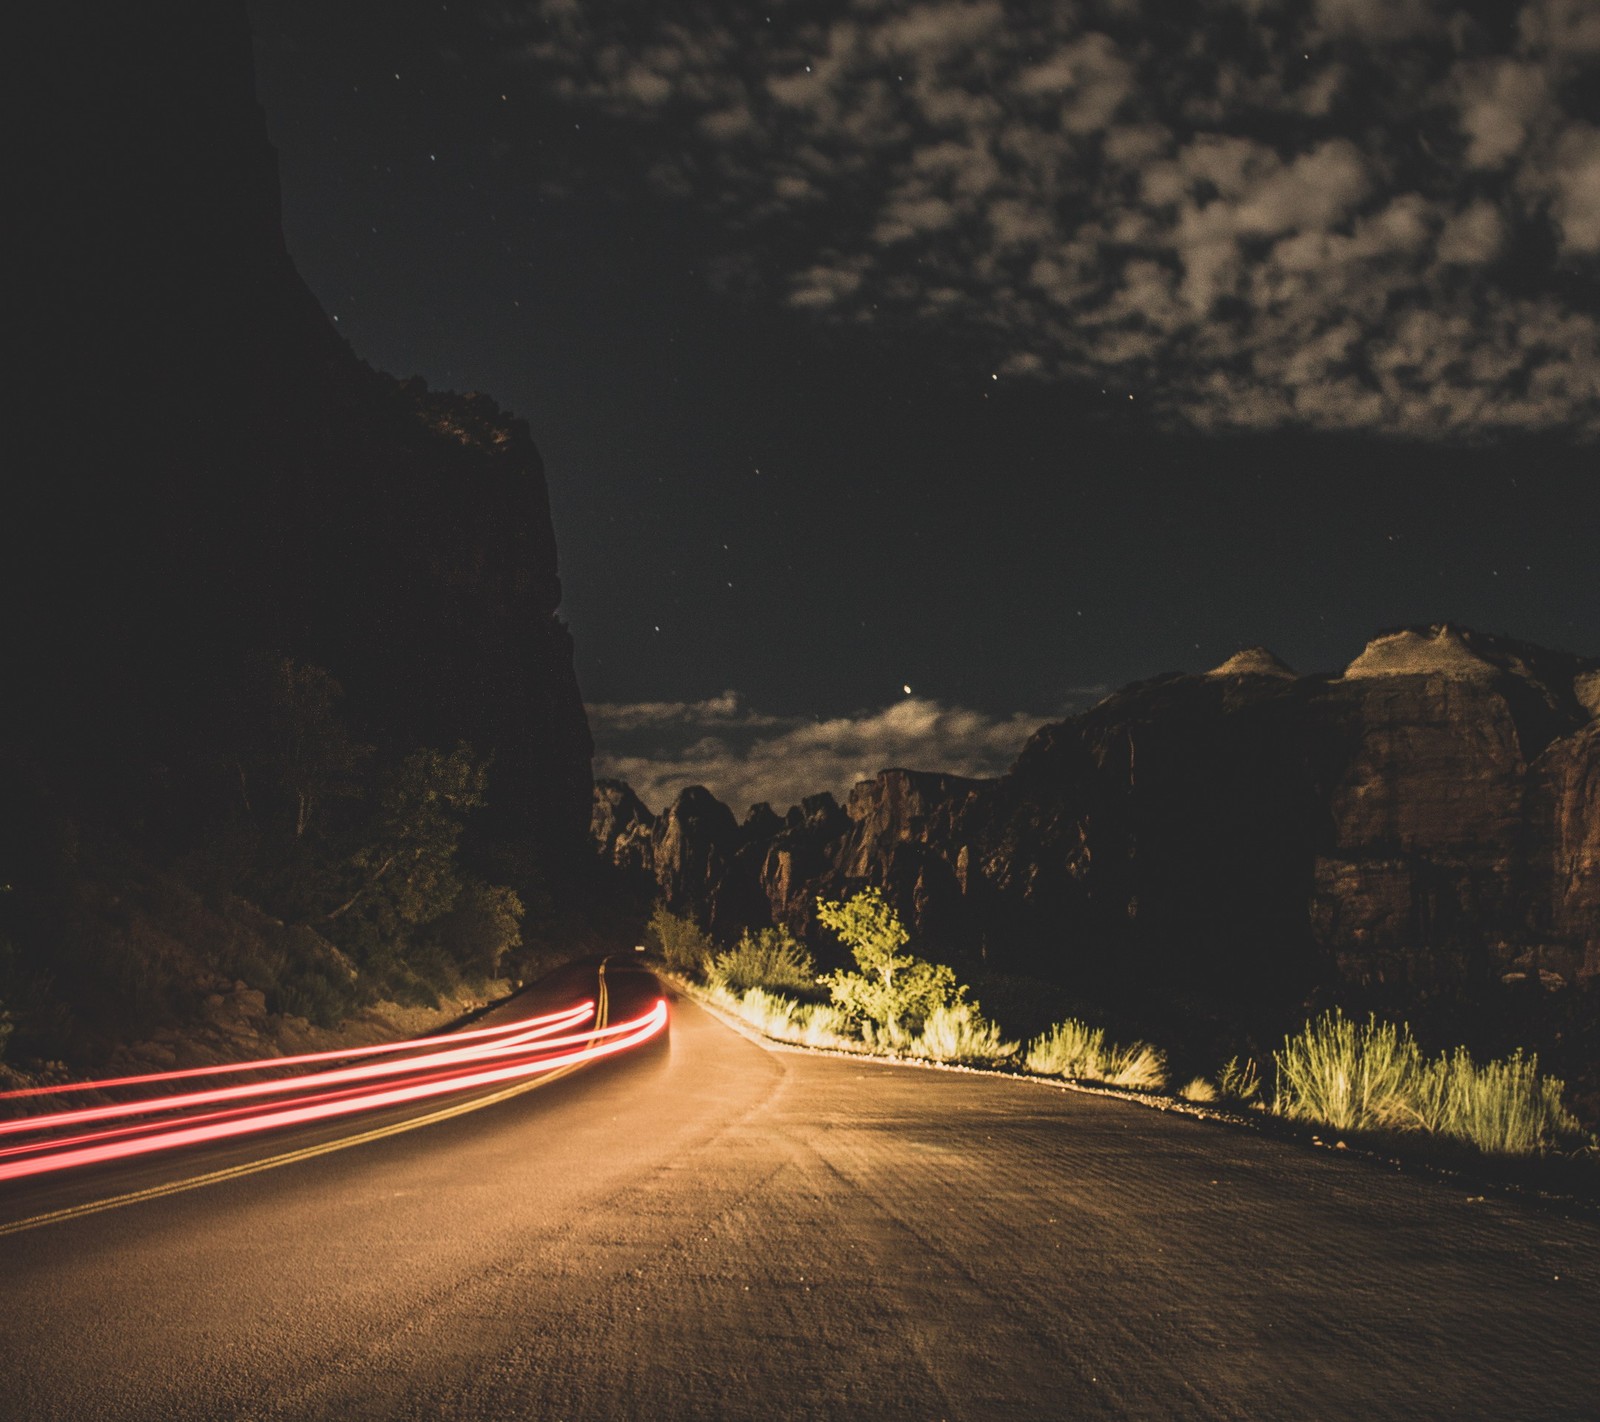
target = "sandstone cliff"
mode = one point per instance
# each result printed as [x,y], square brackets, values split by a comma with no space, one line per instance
[1427,817]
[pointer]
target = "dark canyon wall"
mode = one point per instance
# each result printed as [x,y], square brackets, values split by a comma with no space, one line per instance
[204,468]
[255,594]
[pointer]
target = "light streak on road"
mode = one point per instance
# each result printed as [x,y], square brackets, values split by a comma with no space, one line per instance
[526,1050]
[409,1044]
[440,1052]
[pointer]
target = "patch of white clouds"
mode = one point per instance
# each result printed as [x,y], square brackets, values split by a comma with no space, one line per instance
[1376,215]
[745,757]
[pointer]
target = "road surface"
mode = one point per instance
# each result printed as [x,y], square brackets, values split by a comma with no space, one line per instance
[711,1229]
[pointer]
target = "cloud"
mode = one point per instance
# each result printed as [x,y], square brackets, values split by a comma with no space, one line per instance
[1243,211]
[1501,104]
[1377,19]
[1562,27]
[744,757]
[1575,203]
[1472,236]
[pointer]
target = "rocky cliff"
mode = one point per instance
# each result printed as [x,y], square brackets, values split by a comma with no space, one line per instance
[205,467]
[1428,817]
[204,482]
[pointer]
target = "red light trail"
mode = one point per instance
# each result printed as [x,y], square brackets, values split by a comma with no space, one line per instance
[445,1052]
[463,1062]
[303,1059]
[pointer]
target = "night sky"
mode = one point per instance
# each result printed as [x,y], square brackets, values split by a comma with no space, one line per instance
[908,375]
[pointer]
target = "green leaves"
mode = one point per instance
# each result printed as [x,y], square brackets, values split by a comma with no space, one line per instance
[893,990]
[684,946]
[769,958]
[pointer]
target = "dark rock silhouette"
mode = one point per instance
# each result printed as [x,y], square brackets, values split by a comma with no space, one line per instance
[207,468]
[202,476]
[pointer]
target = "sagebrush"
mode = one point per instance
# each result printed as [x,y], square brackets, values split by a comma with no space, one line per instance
[770,958]
[684,946]
[1373,1076]
[1074,1050]
[960,1033]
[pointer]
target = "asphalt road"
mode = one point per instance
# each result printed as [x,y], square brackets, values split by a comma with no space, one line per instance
[711,1229]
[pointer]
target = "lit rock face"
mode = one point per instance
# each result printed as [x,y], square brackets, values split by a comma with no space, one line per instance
[623,827]
[1565,872]
[1434,651]
[1254,661]
[1425,807]
[1456,762]
[1432,815]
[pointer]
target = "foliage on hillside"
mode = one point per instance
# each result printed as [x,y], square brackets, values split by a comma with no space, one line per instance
[287,853]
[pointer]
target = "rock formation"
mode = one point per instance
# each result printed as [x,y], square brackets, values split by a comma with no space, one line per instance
[1430,816]
[206,468]
[204,479]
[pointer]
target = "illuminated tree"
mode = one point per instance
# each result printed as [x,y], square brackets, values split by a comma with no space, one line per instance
[894,991]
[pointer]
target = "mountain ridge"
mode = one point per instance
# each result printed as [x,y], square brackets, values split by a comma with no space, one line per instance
[1428,819]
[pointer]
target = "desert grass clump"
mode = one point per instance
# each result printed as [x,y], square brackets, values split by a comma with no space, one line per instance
[1506,1107]
[1070,1048]
[1239,1080]
[811,1024]
[770,958]
[816,1024]
[769,1012]
[1349,1076]
[1074,1050]
[1374,1077]
[1139,1067]
[1198,1090]
[960,1033]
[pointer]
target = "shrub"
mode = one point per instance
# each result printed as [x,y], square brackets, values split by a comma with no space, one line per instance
[1139,1067]
[893,991]
[819,1025]
[1347,1076]
[481,928]
[887,1039]
[959,1033]
[1353,1077]
[770,958]
[1077,1051]
[1506,1107]
[1070,1048]
[808,1023]
[683,945]
[1239,1080]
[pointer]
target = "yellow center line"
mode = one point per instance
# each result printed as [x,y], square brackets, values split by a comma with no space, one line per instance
[255,1167]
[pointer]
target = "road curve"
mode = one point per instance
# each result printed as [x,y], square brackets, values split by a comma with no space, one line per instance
[710,1229]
